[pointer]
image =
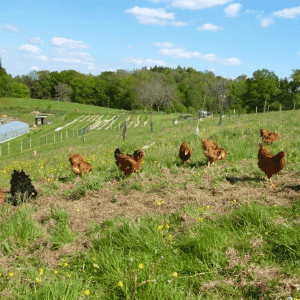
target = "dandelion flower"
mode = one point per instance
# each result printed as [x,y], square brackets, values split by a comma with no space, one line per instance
[141,266]
[65,264]
[55,271]
[120,284]
[96,266]
[175,274]
[86,292]
[77,210]
[160,227]
[38,279]
[170,237]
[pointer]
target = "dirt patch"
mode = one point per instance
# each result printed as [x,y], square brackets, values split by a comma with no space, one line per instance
[109,202]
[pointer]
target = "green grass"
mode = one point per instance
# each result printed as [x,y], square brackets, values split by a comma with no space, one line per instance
[249,250]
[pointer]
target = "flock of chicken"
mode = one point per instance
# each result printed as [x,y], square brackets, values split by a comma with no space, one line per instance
[270,164]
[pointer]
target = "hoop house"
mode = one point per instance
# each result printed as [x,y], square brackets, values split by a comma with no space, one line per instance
[12,130]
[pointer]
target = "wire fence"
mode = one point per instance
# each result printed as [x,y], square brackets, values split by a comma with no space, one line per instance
[49,139]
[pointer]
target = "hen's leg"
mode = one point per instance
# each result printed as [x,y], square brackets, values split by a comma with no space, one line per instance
[272,185]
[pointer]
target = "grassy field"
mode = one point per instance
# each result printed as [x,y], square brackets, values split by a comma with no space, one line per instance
[169,231]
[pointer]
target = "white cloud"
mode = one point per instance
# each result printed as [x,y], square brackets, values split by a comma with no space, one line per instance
[230,61]
[197,4]
[232,10]
[180,53]
[92,68]
[165,45]
[62,42]
[151,16]
[41,57]
[298,52]
[34,68]
[65,53]
[73,61]
[144,62]
[30,48]
[177,24]
[10,27]
[35,40]
[288,13]
[266,22]
[211,27]
[156,16]
[212,70]
[129,47]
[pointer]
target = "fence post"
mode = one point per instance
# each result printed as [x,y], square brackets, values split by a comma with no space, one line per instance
[54,137]
[8,149]
[30,144]
[66,134]
[21,146]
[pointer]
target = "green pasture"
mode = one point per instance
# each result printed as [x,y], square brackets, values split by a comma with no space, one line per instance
[252,251]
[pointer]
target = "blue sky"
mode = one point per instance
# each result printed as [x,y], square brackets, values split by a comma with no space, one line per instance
[227,37]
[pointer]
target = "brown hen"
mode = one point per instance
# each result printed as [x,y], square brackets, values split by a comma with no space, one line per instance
[268,137]
[78,164]
[129,163]
[185,152]
[2,196]
[269,163]
[212,151]
[75,159]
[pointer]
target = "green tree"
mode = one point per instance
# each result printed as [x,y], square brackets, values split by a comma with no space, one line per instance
[261,88]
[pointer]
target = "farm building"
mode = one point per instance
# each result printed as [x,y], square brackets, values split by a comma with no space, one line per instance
[12,130]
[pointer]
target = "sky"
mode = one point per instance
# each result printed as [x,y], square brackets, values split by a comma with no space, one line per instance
[227,37]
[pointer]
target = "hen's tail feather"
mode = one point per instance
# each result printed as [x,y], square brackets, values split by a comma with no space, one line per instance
[117,153]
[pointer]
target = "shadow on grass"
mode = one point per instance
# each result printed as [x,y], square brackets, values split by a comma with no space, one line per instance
[190,165]
[65,179]
[295,188]
[234,180]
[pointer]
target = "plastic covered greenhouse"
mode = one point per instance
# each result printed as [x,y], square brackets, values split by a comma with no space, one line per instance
[12,130]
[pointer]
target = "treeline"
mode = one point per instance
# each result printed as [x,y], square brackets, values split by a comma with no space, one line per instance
[159,88]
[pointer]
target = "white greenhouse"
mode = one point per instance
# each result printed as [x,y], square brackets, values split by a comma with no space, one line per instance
[12,130]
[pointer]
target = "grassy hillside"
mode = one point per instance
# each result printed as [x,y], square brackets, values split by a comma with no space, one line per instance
[169,231]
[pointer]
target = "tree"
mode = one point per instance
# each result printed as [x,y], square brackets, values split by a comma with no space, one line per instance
[5,81]
[20,90]
[220,91]
[237,89]
[62,92]
[261,88]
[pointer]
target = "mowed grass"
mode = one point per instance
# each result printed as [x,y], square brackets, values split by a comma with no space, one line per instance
[250,252]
